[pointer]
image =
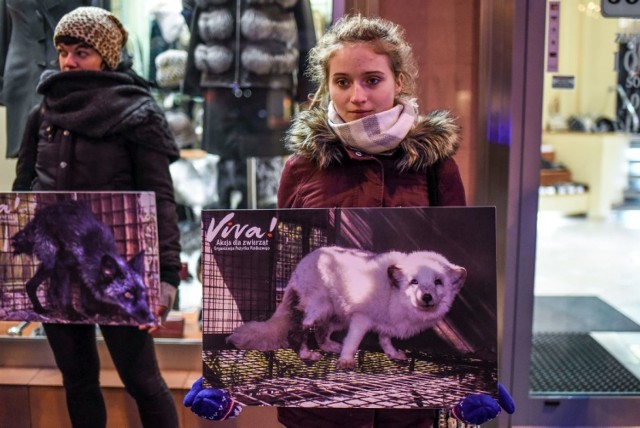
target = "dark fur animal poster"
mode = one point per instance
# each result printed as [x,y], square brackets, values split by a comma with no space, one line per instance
[78,257]
[351,307]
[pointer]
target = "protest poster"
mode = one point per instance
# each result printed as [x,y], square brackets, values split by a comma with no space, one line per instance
[79,257]
[350,307]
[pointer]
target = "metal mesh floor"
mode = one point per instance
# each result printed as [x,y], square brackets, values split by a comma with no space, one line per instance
[280,378]
[575,364]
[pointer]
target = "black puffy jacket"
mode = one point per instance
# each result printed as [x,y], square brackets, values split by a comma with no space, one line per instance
[102,131]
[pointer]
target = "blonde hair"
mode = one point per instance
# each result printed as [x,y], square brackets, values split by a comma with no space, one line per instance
[384,37]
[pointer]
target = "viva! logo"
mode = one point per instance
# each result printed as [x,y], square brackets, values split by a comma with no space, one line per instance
[227,227]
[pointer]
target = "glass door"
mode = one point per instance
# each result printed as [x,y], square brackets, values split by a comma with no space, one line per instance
[582,359]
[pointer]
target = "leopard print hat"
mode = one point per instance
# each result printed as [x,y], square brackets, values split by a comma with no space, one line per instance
[97,27]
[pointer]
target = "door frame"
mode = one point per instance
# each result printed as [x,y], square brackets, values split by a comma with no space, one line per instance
[529,21]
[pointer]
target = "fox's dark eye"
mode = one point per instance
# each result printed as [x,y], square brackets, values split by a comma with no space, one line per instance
[128,295]
[438,281]
[414,281]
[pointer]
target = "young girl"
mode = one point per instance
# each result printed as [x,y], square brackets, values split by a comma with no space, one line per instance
[99,129]
[362,143]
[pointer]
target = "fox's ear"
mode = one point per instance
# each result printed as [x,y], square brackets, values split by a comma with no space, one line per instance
[109,267]
[395,275]
[458,275]
[137,263]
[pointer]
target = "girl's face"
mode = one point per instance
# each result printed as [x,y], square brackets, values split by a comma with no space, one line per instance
[361,82]
[78,57]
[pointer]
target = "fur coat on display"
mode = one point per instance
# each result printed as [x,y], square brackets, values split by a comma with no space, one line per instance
[266,48]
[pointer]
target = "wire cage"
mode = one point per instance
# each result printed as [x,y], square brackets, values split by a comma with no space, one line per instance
[280,378]
[245,279]
[130,217]
[237,289]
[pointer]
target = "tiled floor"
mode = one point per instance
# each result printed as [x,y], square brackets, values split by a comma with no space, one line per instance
[581,257]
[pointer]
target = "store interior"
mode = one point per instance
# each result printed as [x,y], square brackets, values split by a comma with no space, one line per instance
[586,326]
[586,301]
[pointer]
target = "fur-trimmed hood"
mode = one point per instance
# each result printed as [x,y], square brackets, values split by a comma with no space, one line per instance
[434,137]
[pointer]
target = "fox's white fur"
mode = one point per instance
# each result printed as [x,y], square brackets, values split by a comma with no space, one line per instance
[394,294]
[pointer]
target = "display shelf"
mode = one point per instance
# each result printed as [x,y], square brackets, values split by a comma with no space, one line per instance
[596,159]
[566,204]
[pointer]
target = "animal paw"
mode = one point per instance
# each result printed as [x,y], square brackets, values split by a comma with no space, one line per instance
[346,363]
[397,355]
[308,355]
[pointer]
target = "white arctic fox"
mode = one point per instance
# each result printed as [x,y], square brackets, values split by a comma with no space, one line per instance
[394,294]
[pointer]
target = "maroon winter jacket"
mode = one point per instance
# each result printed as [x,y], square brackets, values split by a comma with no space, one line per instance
[323,173]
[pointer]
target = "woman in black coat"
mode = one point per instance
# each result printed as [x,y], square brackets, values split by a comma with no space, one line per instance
[99,129]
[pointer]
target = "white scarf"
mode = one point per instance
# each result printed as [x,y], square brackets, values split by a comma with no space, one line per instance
[377,133]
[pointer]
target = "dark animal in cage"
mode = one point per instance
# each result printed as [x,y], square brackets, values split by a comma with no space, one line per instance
[78,252]
[394,294]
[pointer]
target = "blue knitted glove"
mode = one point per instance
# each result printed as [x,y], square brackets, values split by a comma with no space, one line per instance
[477,409]
[211,403]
